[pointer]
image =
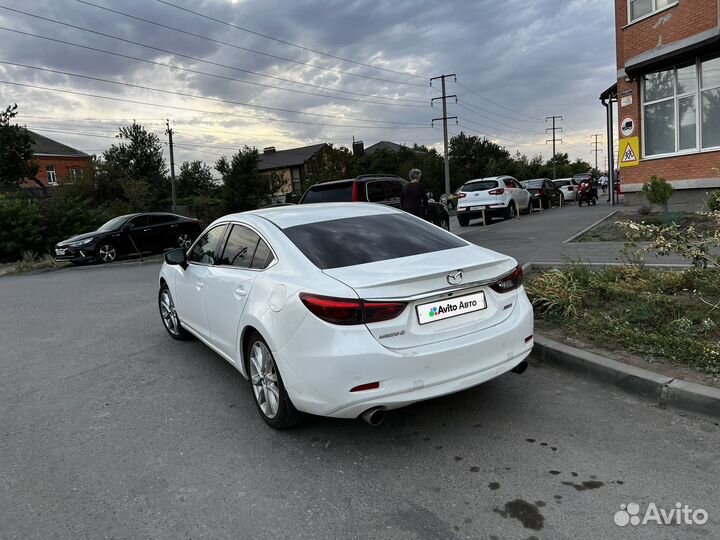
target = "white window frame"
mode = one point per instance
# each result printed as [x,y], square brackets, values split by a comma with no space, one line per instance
[51,175]
[676,98]
[653,12]
[75,174]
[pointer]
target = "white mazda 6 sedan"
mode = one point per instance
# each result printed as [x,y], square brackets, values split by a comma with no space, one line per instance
[347,310]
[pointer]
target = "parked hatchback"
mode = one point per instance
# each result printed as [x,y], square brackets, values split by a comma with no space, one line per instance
[132,234]
[375,188]
[568,186]
[347,310]
[498,196]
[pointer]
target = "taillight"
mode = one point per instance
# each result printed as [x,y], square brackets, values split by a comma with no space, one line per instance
[509,282]
[461,195]
[541,192]
[347,311]
[356,192]
[496,191]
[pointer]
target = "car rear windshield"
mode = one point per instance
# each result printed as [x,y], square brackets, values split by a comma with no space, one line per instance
[533,184]
[560,183]
[480,185]
[365,239]
[335,192]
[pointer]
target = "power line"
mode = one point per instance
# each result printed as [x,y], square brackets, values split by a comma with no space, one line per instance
[476,108]
[217,100]
[463,121]
[494,102]
[514,128]
[181,55]
[178,108]
[239,47]
[388,70]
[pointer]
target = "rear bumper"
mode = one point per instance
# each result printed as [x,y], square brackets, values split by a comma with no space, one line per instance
[319,374]
[491,210]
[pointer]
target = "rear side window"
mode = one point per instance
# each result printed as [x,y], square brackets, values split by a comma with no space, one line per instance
[159,220]
[240,247]
[480,185]
[263,256]
[365,239]
[335,192]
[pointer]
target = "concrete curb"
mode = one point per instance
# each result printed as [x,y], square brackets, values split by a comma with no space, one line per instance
[661,389]
[586,229]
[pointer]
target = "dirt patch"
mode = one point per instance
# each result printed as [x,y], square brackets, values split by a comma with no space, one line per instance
[609,231]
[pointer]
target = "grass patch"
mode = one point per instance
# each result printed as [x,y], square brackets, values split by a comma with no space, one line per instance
[30,262]
[610,231]
[663,316]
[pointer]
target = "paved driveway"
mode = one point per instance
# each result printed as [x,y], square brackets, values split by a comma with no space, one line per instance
[110,429]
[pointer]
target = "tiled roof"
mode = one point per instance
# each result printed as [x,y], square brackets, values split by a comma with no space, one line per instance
[287,158]
[49,147]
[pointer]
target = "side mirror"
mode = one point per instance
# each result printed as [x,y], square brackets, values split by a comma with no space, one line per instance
[176,257]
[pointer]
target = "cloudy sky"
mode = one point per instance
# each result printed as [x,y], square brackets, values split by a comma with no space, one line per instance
[293,73]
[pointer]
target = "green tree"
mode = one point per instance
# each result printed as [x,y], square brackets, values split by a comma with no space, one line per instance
[195,179]
[244,187]
[134,170]
[16,151]
[476,157]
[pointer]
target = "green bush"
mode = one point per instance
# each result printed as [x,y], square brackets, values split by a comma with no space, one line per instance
[555,294]
[714,201]
[658,191]
[22,228]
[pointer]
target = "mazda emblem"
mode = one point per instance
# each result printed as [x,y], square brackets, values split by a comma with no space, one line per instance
[455,278]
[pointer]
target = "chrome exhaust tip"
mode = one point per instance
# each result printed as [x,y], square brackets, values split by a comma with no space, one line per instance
[520,368]
[373,416]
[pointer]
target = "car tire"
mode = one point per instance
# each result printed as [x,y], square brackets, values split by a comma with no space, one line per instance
[268,390]
[184,240]
[169,315]
[529,208]
[463,221]
[511,211]
[444,223]
[105,252]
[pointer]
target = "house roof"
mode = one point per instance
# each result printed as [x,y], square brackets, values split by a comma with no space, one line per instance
[385,145]
[47,147]
[280,159]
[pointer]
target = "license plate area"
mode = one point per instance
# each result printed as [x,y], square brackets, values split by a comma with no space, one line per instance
[446,308]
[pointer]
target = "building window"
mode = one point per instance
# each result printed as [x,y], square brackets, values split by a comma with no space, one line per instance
[681,108]
[296,183]
[643,8]
[51,175]
[75,175]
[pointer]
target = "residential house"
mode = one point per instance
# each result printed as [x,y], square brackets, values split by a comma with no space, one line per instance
[58,163]
[293,165]
[668,93]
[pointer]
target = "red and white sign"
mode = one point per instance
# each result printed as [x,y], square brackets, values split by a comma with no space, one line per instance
[627,126]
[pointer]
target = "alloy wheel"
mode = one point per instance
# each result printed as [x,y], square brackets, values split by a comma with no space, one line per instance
[264,378]
[107,253]
[169,313]
[184,240]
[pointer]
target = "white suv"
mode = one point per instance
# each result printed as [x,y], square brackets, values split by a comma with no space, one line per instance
[497,195]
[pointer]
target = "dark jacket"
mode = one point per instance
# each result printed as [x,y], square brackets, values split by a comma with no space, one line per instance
[413,198]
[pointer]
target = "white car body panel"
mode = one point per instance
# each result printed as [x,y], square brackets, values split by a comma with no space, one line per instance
[320,362]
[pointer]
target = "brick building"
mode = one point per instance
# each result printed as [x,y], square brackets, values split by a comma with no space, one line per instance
[668,94]
[59,163]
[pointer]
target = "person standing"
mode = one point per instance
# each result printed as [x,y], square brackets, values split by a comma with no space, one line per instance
[413,198]
[604,183]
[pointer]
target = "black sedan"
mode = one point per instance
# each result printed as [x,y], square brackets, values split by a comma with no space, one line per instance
[543,192]
[132,234]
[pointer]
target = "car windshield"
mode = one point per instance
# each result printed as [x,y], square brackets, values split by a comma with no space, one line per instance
[359,240]
[334,192]
[480,185]
[533,184]
[113,224]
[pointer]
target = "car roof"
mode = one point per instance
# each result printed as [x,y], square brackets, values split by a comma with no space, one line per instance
[300,214]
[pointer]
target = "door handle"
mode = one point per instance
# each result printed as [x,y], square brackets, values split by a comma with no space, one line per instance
[240,291]
[199,285]
[146,230]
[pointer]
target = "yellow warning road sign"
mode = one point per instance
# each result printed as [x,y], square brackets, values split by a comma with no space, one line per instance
[629,152]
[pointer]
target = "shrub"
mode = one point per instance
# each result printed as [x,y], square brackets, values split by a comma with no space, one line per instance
[555,293]
[22,228]
[645,210]
[658,191]
[714,201]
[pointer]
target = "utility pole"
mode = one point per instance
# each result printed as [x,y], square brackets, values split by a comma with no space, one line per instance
[169,133]
[554,138]
[445,118]
[595,149]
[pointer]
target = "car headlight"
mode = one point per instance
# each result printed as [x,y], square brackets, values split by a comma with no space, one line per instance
[80,242]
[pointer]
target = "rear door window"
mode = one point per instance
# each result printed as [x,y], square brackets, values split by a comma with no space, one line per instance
[334,192]
[240,247]
[365,239]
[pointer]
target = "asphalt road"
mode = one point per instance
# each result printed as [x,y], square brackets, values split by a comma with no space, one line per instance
[110,429]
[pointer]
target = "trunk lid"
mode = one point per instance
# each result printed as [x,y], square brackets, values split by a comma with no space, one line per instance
[422,282]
